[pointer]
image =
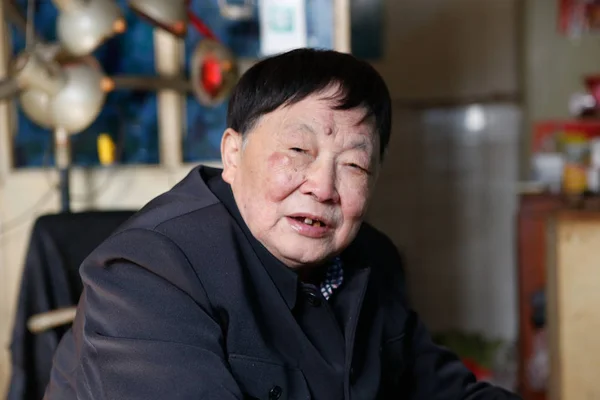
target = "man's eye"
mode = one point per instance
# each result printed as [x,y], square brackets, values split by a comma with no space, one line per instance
[358,167]
[298,150]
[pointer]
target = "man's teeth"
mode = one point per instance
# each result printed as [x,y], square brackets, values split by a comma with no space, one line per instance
[309,221]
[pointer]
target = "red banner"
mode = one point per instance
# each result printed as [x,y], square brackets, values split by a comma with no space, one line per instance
[578,17]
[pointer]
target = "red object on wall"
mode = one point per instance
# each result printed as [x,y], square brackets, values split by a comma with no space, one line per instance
[200,26]
[576,17]
[592,82]
[546,129]
[212,76]
[565,13]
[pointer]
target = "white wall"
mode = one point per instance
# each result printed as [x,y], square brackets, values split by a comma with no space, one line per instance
[450,49]
[447,197]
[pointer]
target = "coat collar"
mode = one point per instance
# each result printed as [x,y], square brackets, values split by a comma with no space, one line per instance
[285,279]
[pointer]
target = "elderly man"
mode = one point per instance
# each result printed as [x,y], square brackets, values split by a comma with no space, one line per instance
[261,280]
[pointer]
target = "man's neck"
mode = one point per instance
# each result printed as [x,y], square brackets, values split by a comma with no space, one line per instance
[312,275]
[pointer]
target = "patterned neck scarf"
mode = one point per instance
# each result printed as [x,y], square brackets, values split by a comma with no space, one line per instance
[333,278]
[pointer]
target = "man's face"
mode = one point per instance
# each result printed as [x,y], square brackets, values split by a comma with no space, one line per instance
[303,177]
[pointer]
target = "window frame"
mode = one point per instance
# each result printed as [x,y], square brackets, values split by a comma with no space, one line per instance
[171,104]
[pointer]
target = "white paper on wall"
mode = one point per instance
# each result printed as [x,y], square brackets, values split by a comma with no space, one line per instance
[282,25]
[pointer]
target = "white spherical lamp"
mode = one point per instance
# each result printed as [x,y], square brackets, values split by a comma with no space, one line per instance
[68,97]
[78,104]
[35,104]
[83,25]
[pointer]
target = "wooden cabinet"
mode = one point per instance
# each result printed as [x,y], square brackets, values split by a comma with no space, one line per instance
[573,287]
[559,295]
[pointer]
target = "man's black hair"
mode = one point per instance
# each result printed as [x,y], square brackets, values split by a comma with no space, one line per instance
[290,77]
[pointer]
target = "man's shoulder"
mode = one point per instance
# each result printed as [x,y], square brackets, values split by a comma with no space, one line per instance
[185,217]
[191,196]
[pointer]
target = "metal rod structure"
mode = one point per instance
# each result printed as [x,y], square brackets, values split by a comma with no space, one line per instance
[151,83]
[42,322]
[16,16]
[62,155]
[6,115]
[64,182]
[8,88]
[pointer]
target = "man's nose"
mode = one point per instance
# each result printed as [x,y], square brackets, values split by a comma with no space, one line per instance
[321,183]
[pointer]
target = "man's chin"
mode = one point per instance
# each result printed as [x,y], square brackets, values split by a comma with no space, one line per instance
[299,257]
[297,251]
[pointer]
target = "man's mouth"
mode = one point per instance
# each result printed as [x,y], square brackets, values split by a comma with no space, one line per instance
[310,225]
[311,221]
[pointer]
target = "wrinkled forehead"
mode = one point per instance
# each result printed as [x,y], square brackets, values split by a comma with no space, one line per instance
[321,112]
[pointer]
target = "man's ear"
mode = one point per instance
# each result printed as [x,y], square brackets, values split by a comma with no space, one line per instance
[231,153]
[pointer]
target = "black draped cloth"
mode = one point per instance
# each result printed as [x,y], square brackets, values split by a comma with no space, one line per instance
[50,280]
